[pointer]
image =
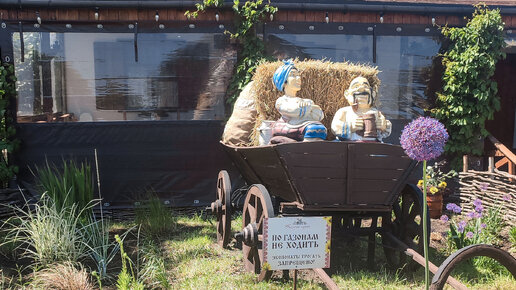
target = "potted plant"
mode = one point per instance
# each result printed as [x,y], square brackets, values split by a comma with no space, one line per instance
[435,186]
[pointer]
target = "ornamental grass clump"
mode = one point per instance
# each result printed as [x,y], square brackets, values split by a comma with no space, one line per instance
[47,234]
[65,276]
[155,219]
[70,185]
[424,139]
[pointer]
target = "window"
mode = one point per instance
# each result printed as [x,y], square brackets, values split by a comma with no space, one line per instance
[406,62]
[80,76]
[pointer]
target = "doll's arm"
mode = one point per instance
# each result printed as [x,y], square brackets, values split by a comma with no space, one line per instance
[293,107]
[339,127]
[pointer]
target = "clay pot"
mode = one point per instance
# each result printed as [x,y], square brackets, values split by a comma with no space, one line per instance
[435,204]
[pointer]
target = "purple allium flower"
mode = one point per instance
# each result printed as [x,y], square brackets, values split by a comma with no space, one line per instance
[444,234]
[484,186]
[424,139]
[457,209]
[479,209]
[477,202]
[469,235]
[507,197]
[471,214]
[461,226]
[483,225]
[444,218]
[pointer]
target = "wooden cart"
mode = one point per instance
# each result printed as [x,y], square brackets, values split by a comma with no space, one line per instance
[349,181]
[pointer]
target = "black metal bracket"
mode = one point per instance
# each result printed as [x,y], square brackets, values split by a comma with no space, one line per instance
[374,43]
[136,42]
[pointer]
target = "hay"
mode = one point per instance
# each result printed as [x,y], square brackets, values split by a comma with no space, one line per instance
[324,82]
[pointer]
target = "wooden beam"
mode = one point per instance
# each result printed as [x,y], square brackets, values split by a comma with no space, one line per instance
[421,261]
[433,268]
[501,162]
[326,279]
[506,151]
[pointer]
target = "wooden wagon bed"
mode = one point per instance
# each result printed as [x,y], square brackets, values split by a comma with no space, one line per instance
[314,176]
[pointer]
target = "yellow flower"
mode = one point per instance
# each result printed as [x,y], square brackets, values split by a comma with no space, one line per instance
[442,184]
[420,183]
[434,190]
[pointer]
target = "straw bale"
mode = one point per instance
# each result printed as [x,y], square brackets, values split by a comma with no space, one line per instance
[324,82]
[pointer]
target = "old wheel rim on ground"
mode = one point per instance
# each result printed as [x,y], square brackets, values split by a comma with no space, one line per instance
[405,224]
[257,207]
[221,207]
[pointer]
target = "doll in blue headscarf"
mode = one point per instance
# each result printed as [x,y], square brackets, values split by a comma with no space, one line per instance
[300,118]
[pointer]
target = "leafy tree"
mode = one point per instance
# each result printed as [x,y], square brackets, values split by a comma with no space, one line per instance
[469,95]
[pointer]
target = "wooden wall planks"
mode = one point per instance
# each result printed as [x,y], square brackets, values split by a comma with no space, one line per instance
[171,14]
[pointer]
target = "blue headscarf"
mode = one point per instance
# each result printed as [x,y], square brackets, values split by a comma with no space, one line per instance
[281,74]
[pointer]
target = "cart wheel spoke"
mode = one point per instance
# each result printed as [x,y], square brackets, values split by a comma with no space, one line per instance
[252,213]
[397,210]
[413,214]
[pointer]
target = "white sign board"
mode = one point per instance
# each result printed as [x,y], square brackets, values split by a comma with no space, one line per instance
[297,242]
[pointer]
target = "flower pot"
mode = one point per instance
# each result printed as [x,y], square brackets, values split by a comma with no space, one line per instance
[435,205]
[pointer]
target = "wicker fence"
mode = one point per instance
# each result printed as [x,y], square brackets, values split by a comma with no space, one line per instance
[496,190]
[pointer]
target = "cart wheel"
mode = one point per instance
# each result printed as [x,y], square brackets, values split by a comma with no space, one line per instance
[469,252]
[222,209]
[405,224]
[257,206]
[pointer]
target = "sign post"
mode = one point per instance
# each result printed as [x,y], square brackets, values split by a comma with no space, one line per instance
[297,243]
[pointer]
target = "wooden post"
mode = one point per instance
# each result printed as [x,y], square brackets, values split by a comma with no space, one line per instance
[511,170]
[465,163]
[491,164]
[295,279]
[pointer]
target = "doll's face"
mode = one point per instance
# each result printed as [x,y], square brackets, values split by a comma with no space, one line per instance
[293,80]
[359,92]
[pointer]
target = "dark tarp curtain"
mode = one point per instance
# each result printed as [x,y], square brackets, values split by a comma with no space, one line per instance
[178,161]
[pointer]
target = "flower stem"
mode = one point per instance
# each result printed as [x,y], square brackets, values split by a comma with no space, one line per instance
[425,229]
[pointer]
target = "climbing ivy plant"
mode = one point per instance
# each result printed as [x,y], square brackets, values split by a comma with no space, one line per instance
[469,95]
[7,141]
[252,49]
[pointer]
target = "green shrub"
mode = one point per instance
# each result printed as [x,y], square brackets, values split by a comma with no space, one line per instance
[155,219]
[8,143]
[73,185]
[469,95]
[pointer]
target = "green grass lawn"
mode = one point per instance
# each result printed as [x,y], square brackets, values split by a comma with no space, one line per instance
[194,261]
[186,256]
